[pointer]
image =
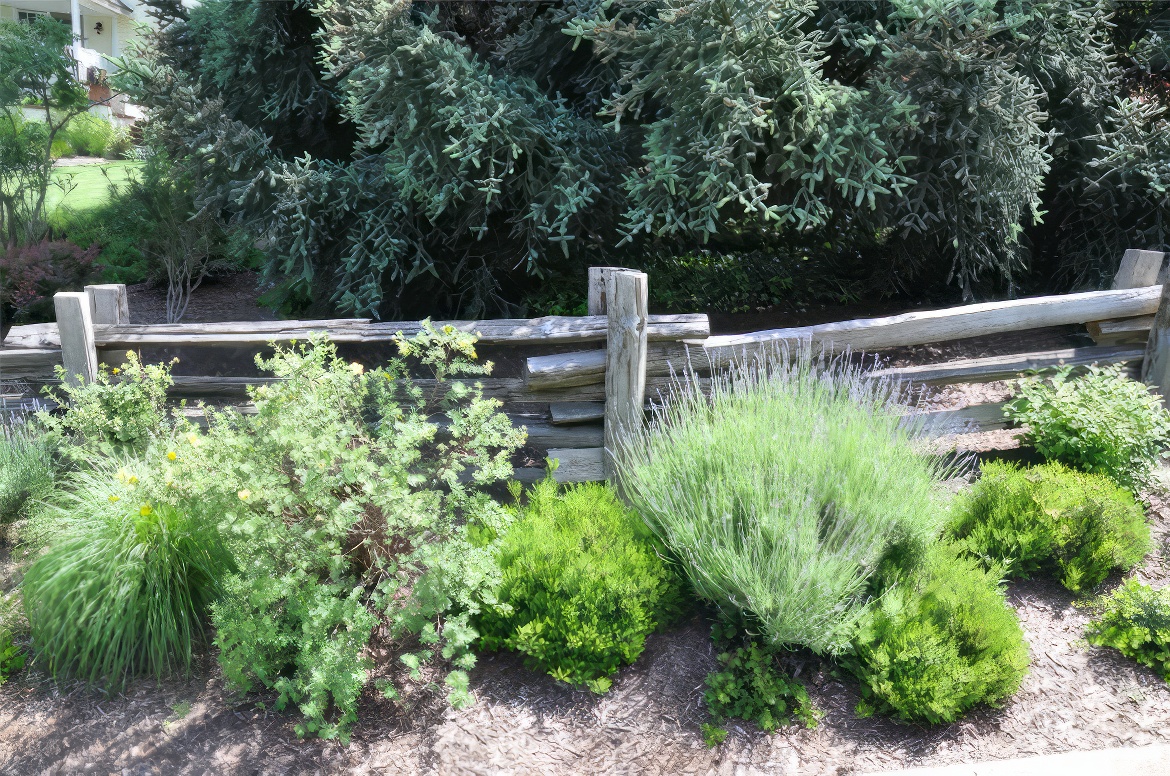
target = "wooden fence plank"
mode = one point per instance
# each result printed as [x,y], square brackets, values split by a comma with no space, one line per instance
[548,330]
[29,363]
[627,295]
[36,335]
[974,320]
[1138,268]
[74,319]
[983,370]
[109,303]
[569,412]
[563,370]
[1121,331]
[578,465]
[1156,366]
[977,417]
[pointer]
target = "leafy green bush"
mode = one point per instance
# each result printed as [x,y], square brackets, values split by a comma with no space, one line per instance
[1101,422]
[118,412]
[939,642]
[749,686]
[27,472]
[1082,526]
[582,585]
[1135,620]
[782,492]
[88,134]
[125,587]
[12,659]
[348,509]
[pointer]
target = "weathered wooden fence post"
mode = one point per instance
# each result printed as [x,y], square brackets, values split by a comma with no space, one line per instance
[597,292]
[1138,269]
[108,303]
[627,301]
[75,325]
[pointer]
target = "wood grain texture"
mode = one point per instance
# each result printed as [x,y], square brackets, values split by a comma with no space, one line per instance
[595,296]
[625,358]
[1121,331]
[983,370]
[75,322]
[585,367]
[36,335]
[549,330]
[569,412]
[977,417]
[109,303]
[1138,268]
[29,363]
[578,465]
[974,320]
[1156,366]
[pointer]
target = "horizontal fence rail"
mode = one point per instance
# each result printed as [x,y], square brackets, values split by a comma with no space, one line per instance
[568,396]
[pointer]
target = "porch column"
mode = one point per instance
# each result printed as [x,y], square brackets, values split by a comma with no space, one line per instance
[114,37]
[75,18]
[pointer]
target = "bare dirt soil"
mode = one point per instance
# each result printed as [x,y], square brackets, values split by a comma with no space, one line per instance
[224,298]
[1076,697]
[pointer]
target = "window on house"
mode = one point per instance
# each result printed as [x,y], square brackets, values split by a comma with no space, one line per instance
[25,17]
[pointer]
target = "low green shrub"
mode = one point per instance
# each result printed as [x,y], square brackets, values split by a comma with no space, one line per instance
[751,687]
[12,658]
[27,472]
[1081,526]
[119,412]
[582,585]
[1135,620]
[1101,422]
[939,641]
[125,587]
[783,490]
[348,509]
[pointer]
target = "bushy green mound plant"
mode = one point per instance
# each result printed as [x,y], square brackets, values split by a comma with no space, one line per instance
[583,585]
[1135,620]
[1101,422]
[1081,526]
[348,509]
[125,588]
[782,491]
[750,686]
[27,472]
[939,641]
[120,411]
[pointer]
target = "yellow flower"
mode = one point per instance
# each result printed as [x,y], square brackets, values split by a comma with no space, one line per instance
[448,329]
[356,368]
[133,480]
[172,455]
[115,370]
[145,510]
[244,494]
[113,499]
[193,440]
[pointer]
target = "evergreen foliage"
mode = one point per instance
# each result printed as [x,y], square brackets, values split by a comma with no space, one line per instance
[1082,526]
[582,585]
[399,155]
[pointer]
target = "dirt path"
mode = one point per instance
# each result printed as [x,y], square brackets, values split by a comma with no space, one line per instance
[1075,698]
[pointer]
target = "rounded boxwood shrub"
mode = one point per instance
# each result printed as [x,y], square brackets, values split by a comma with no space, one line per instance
[583,585]
[1081,526]
[939,642]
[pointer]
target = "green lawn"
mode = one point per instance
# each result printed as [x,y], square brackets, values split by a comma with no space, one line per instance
[87,186]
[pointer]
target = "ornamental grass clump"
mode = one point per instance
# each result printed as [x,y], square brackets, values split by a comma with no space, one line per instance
[1080,526]
[583,585]
[27,472]
[1101,422]
[126,584]
[782,491]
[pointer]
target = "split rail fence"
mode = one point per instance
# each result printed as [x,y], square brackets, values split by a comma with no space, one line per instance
[576,382]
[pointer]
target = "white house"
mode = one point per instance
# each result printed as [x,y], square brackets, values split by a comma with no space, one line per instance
[101,30]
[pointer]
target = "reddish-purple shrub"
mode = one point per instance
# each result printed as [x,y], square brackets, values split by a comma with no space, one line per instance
[31,274]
